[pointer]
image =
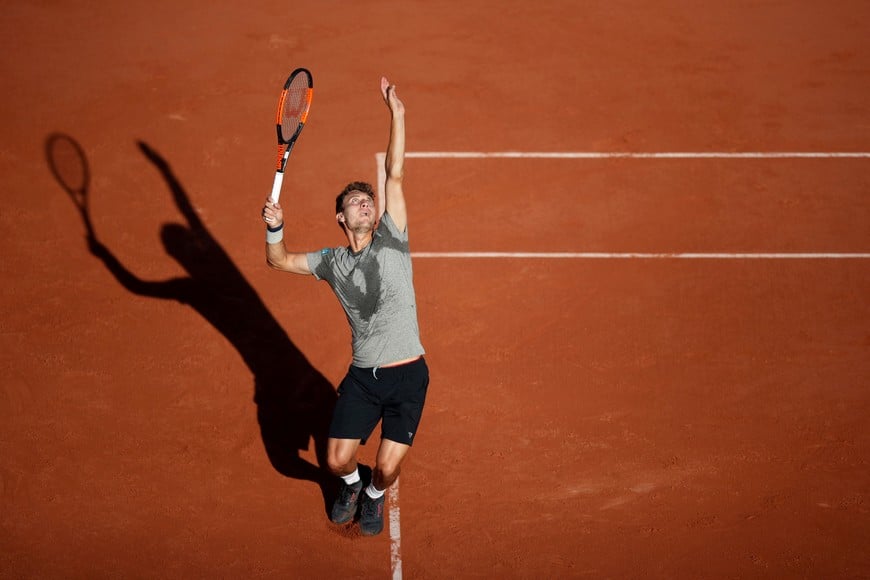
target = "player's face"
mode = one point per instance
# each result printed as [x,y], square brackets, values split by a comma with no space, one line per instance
[358,209]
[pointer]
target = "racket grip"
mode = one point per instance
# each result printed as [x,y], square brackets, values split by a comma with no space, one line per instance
[276,186]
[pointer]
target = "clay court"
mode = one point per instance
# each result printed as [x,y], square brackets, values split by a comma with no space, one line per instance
[642,258]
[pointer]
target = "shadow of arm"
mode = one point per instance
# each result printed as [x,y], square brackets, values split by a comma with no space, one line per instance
[173,288]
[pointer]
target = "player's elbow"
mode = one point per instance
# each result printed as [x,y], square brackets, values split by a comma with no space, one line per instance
[271,264]
[274,262]
[293,263]
[395,173]
[394,167]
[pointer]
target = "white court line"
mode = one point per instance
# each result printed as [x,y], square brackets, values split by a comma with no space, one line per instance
[395,531]
[639,155]
[380,157]
[644,256]
[393,504]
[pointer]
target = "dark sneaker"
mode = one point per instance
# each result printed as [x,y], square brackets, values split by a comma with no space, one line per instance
[344,507]
[371,518]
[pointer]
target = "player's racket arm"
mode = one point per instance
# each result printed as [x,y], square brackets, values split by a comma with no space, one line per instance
[278,258]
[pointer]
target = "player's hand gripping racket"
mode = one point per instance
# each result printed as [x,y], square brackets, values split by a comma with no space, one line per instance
[293,108]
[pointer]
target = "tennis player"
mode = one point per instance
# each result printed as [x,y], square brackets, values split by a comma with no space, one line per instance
[372,279]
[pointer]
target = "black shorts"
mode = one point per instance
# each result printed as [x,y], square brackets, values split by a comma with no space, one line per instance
[394,394]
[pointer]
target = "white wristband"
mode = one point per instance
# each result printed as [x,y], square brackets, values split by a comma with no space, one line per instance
[274,237]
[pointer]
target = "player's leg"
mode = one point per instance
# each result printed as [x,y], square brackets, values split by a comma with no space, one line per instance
[387,467]
[388,463]
[401,418]
[353,420]
[341,455]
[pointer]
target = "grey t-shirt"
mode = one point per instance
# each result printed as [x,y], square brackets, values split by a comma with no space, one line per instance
[375,287]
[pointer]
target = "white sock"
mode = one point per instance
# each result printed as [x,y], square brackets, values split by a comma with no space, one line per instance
[374,492]
[351,478]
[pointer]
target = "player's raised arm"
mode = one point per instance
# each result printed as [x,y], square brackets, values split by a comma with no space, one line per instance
[277,255]
[395,159]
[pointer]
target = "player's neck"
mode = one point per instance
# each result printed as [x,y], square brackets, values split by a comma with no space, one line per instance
[357,241]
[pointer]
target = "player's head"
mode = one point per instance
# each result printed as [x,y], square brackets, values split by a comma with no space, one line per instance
[354,187]
[352,195]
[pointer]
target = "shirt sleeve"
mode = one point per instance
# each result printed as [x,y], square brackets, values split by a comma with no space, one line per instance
[392,229]
[318,263]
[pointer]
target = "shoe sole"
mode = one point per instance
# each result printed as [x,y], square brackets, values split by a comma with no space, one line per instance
[350,515]
[371,533]
[339,522]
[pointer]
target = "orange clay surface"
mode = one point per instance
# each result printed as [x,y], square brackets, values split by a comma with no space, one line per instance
[164,394]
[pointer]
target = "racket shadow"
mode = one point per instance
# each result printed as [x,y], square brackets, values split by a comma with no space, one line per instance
[294,400]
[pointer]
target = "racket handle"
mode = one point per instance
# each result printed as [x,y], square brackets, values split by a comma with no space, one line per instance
[276,186]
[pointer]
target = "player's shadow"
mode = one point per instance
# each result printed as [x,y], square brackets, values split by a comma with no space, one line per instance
[294,400]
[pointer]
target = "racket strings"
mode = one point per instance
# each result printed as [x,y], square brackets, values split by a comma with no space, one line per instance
[295,106]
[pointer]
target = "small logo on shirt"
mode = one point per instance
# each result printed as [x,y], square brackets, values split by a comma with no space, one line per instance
[410,435]
[325,251]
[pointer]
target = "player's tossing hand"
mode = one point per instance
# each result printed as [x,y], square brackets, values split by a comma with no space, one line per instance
[391,98]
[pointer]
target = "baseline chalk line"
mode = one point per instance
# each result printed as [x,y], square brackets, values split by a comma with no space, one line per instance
[395,531]
[643,256]
[638,155]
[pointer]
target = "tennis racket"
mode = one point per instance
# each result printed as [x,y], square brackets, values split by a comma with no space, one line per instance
[293,105]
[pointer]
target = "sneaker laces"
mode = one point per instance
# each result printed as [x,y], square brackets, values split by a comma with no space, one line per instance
[371,507]
[346,495]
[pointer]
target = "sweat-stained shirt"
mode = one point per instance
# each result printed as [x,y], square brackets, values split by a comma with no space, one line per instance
[376,290]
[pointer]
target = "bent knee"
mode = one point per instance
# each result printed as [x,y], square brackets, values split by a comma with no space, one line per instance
[387,472]
[341,461]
